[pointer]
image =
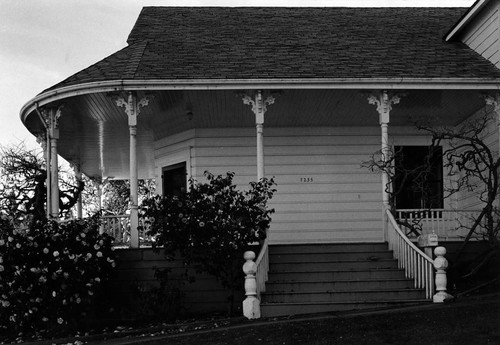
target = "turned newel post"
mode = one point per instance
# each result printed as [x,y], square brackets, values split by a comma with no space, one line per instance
[440,264]
[251,304]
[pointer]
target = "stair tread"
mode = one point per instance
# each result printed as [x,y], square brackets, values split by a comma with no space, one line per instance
[342,270]
[343,291]
[340,281]
[331,261]
[329,252]
[419,300]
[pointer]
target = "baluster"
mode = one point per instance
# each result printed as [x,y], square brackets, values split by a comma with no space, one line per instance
[440,264]
[251,305]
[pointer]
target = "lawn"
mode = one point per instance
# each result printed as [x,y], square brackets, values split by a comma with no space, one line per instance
[467,321]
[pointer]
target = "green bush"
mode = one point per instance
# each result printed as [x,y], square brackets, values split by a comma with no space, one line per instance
[211,224]
[51,274]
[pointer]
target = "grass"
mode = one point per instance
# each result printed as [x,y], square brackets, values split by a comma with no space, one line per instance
[466,321]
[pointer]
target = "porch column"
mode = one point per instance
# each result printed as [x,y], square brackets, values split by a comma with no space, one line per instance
[50,117]
[494,100]
[42,139]
[132,108]
[259,108]
[384,106]
[79,204]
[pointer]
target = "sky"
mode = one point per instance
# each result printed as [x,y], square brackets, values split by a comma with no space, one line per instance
[43,42]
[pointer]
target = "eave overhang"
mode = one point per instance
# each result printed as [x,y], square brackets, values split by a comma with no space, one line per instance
[62,93]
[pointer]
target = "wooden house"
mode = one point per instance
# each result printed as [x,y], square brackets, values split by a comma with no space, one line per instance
[302,94]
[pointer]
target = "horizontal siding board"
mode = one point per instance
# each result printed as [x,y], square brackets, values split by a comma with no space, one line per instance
[483,34]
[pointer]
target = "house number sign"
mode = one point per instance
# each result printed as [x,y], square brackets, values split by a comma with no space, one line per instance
[306,179]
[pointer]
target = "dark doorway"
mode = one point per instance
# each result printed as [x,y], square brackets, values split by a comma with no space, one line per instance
[174,179]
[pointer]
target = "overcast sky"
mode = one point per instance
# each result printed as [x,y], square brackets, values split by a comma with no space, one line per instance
[43,42]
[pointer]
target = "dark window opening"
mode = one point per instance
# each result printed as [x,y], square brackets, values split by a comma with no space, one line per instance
[174,179]
[418,182]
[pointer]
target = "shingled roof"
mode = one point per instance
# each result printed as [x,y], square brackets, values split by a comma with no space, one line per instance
[186,43]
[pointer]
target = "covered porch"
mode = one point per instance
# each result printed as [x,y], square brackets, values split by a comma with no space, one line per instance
[313,137]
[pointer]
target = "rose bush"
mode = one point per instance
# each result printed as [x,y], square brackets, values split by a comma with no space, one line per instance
[211,224]
[51,273]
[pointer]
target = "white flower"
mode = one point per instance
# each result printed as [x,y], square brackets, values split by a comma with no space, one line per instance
[96,246]
[60,320]
[44,319]
[97,279]
[2,242]
[55,253]
[45,250]
[89,255]
[10,239]
[18,245]
[54,294]
[2,268]
[99,254]
[82,235]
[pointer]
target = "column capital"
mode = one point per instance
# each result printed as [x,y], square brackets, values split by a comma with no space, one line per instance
[494,100]
[384,101]
[51,118]
[259,104]
[132,106]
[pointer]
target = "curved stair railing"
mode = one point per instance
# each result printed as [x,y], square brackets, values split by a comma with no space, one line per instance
[417,265]
[262,264]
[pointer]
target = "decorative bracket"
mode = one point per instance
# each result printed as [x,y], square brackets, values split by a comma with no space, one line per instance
[259,105]
[384,103]
[132,106]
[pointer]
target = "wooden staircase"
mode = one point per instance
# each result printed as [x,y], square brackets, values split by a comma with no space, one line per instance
[317,278]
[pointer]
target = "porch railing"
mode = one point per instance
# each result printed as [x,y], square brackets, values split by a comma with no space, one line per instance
[447,224]
[417,265]
[262,264]
[118,226]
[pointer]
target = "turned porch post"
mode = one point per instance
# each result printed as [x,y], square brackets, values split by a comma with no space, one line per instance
[494,100]
[79,204]
[259,108]
[50,118]
[132,108]
[42,139]
[384,106]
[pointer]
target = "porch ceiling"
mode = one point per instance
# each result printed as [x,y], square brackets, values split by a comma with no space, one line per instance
[94,131]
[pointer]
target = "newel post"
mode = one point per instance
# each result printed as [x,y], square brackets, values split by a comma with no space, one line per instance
[251,304]
[440,264]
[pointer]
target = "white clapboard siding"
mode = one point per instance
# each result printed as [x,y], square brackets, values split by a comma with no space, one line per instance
[483,33]
[324,194]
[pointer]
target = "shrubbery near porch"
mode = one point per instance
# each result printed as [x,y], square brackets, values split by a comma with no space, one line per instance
[211,225]
[52,273]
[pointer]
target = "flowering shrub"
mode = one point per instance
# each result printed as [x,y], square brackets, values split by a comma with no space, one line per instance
[211,224]
[51,273]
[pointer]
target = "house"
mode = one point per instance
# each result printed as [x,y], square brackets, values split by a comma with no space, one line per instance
[302,94]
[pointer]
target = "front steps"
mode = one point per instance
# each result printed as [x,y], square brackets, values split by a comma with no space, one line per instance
[307,279]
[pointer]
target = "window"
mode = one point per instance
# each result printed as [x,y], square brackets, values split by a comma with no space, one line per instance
[418,182]
[174,179]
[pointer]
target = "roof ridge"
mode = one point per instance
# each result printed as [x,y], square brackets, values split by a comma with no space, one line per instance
[135,59]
